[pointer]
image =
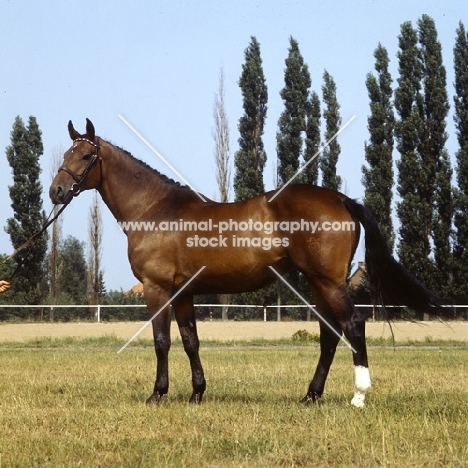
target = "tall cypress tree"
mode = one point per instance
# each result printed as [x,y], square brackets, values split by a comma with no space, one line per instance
[332,117]
[412,210]
[424,169]
[292,122]
[378,177]
[26,195]
[441,278]
[290,140]
[460,251]
[312,142]
[250,159]
[435,159]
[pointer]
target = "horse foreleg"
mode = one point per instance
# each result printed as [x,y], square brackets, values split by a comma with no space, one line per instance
[185,316]
[356,334]
[328,343]
[162,340]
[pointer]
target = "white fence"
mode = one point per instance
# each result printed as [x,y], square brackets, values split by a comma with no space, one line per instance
[99,307]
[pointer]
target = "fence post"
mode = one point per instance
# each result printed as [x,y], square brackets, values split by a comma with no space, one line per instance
[98,313]
[264,313]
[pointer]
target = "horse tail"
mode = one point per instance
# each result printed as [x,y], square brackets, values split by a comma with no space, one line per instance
[390,282]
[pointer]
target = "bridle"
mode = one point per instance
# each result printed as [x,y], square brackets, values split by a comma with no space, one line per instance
[75,188]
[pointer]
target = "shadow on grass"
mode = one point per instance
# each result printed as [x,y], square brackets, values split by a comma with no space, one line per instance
[227,399]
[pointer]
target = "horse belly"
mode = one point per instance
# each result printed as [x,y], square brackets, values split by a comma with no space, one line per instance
[234,271]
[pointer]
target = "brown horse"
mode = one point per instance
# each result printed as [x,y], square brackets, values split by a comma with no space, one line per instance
[173,233]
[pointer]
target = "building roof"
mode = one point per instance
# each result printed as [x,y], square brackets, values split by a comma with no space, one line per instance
[137,289]
[356,278]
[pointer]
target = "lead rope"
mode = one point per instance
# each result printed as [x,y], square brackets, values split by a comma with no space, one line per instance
[31,241]
[78,179]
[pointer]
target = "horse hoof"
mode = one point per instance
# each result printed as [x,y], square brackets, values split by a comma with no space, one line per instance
[196,398]
[358,401]
[310,398]
[154,399]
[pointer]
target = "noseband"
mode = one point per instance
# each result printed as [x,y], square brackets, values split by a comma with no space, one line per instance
[76,187]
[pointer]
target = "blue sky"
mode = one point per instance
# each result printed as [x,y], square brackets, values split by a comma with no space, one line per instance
[157,64]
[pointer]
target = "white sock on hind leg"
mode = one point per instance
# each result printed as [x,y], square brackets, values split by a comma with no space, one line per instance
[362,385]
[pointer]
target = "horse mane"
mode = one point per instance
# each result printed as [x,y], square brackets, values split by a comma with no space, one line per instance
[141,163]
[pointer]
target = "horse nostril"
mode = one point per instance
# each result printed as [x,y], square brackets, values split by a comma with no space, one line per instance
[56,193]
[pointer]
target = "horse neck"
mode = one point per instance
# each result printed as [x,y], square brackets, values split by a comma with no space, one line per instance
[129,189]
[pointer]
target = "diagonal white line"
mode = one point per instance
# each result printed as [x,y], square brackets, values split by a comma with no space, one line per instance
[314,310]
[312,158]
[159,155]
[161,309]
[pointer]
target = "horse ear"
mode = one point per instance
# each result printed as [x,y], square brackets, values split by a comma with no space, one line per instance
[90,133]
[73,133]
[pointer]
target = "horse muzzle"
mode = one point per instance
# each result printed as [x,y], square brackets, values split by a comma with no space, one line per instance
[59,196]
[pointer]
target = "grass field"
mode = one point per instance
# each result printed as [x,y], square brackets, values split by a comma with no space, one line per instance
[71,402]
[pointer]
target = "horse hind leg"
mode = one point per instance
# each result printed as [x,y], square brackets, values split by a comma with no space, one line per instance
[355,332]
[354,329]
[328,343]
[339,316]
[362,384]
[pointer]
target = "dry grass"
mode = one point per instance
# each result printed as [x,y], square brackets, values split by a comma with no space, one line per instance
[84,406]
[227,331]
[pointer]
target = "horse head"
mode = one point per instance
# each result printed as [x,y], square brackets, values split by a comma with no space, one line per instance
[79,170]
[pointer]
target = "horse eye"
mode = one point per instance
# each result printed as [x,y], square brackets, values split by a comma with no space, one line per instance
[86,157]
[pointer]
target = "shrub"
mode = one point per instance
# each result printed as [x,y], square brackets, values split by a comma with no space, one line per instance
[304,335]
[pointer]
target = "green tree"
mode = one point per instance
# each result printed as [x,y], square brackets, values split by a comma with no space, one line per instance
[424,169]
[435,159]
[26,195]
[378,177]
[292,122]
[312,142]
[124,313]
[412,210]
[292,127]
[332,117]
[6,269]
[460,250]
[442,273]
[74,270]
[250,159]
